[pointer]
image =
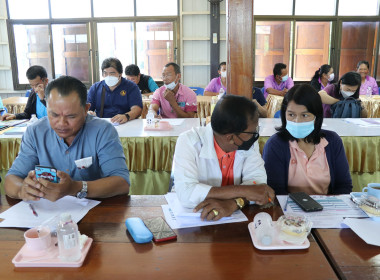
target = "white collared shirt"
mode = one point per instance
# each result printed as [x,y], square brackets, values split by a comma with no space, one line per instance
[196,168]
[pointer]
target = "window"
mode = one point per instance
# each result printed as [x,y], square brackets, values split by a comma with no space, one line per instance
[358,43]
[120,38]
[358,8]
[32,48]
[273,7]
[154,47]
[114,8]
[311,48]
[315,8]
[74,37]
[272,46]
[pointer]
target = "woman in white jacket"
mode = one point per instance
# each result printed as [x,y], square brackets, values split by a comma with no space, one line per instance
[218,168]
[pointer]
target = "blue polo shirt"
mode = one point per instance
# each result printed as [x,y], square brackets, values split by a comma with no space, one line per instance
[97,139]
[119,101]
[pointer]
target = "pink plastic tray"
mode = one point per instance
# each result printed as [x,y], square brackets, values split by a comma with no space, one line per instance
[277,243]
[158,128]
[49,258]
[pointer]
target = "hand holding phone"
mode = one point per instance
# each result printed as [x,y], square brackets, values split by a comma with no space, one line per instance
[47,173]
[160,229]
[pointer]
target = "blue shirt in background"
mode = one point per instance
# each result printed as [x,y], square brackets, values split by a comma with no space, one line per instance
[119,101]
[97,139]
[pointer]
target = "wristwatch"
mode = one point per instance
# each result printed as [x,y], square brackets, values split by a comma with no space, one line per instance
[83,191]
[240,202]
[128,116]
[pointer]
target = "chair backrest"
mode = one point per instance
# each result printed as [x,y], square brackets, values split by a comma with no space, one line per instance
[262,90]
[198,90]
[3,111]
[277,114]
[27,93]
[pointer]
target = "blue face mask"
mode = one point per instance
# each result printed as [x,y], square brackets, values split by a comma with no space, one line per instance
[300,130]
[285,78]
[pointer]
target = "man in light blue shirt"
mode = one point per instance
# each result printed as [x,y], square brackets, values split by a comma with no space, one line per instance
[81,147]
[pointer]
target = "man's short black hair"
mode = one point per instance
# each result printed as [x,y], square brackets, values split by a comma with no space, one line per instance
[221,64]
[307,96]
[231,114]
[65,85]
[112,62]
[176,67]
[132,70]
[36,71]
[278,68]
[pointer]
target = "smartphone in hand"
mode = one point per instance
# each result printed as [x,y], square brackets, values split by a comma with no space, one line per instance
[304,201]
[47,173]
[160,229]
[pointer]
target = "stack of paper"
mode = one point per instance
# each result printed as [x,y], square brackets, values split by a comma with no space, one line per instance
[178,216]
[21,214]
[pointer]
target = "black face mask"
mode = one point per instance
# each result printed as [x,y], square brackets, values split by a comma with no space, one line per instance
[246,145]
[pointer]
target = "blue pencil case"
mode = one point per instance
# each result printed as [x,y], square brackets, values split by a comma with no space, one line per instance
[138,230]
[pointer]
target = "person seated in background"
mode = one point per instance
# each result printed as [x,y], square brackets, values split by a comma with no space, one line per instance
[302,157]
[218,168]
[260,101]
[36,104]
[279,83]
[322,77]
[62,141]
[173,99]
[368,84]
[213,88]
[115,97]
[347,86]
[145,83]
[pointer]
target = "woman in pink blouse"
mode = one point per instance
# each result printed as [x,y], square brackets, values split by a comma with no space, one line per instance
[368,86]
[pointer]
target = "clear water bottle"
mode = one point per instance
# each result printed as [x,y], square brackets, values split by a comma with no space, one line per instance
[369,92]
[221,93]
[214,100]
[264,228]
[68,239]
[150,118]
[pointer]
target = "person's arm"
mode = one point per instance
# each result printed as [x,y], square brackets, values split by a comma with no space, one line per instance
[134,113]
[275,91]
[340,167]
[152,85]
[375,88]
[91,98]
[32,189]
[276,166]
[210,93]
[170,97]
[327,99]
[262,109]
[289,84]
[30,108]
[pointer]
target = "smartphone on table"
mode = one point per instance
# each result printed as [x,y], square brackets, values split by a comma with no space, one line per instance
[47,173]
[160,229]
[307,203]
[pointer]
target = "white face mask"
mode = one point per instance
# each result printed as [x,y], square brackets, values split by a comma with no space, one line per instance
[347,93]
[223,74]
[331,77]
[171,86]
[111,80]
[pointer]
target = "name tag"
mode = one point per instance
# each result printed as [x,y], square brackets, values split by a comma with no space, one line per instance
[181,104]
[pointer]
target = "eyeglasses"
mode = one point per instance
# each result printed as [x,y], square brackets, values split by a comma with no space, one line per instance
[166,76]
[255,134]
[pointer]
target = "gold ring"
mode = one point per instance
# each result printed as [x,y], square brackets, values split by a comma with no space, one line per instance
[216,212]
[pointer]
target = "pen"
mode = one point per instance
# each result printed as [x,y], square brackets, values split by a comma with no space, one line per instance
[33,210]
[286,204]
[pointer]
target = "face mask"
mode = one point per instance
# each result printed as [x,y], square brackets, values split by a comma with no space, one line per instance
[347,93]
[246,145]
[285,78]
[300,130]
[331,77]
[171,86]
[223,74]
[111,80]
